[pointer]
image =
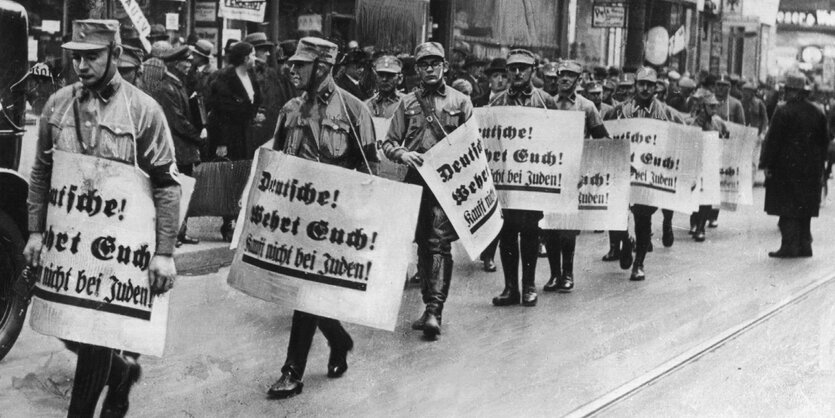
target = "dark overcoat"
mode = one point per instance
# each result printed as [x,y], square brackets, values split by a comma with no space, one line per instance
[231,112]
[794,152]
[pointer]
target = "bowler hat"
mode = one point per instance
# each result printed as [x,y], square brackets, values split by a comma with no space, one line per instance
[473,60]
[158,33]
[259,40]
[497,65]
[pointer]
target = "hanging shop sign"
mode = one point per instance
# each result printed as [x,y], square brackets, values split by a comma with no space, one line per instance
[310,23]
[814,18]
[205,12]
[250,11]
[608,15]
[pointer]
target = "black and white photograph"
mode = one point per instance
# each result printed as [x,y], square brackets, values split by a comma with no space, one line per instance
[415,208]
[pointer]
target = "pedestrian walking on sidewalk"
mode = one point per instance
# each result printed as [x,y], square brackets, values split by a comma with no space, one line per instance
[423,118]
[793,157]
[329,125]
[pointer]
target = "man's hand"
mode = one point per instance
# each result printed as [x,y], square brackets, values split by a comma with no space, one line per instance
[161,274]
[412,159]
[221,151]
[32,251]
[260,118]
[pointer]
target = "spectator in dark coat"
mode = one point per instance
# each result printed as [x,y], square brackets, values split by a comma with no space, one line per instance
[351,76]
[234,107]
[172,95]
[793,158]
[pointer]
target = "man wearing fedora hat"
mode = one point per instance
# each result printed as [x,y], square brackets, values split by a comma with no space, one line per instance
[329,125]
[474,73]
[793,157]
[276,89]
[385,101]
[199,77]
[158,33]
[496,73]
[423,118]
[98,116]
[352,74]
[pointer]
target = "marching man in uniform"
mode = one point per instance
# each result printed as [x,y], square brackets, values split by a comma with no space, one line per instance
[422,119]
[87,118]
[383,104]
[329,125]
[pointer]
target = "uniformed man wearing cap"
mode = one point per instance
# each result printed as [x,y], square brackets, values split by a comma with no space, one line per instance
[329,125]
[642,105]
[625,87]
[705,118]
[111,115]
[423,118]
[385,101]
[550,80]
[130,63]
[519,237]
[594,92]
[730,109]
[609,87]
[561,244]
[794,152]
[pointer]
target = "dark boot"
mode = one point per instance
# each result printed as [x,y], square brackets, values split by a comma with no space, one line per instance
[338,359]
[432,326]
[124,372]
[614,248]
[288,385]
[626,254]
[667,237]
[790,239]
[805,237]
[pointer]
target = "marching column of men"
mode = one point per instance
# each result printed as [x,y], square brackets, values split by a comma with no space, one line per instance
[327,124]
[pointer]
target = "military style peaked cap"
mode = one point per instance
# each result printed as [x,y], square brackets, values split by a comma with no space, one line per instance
[429,49]
[311,48]
[93,34]
[570,66]
[646,74]
[521,57]
[388,64]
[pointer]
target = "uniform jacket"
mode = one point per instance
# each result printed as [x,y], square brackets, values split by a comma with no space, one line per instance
[409,130]
[231,112]
[383,106]
[756,114]
[173,97]
[656,110]
[730,109]
[794,152]
[119,123]
[593,122]
[318,128]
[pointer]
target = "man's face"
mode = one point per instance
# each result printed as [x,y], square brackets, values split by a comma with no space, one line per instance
[567,82]
[722,89]
[607,93]
[354,70]
[91,66]
[710,109]
[520,75]
[623,92]
[387,81]
[183,66]
[747,94]
[551,84]
[596,98]
[498,81]
[644,90]
[431,70]
[300,73]
[262,54]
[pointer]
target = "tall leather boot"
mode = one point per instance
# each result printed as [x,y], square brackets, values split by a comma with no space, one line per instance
[615,238]
[424,267]
[528,255]
[442,271]
[790,239]
[566,283]
[510,266]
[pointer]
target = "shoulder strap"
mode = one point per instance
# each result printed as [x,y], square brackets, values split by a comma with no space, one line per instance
[429,114]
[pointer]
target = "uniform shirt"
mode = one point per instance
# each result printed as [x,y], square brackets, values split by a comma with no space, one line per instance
[318,128]
[755,114]
[656,110]
[409,129]
[730,109]
[604,109]
[384,105]
[110,121]
[529,97]
[577,102]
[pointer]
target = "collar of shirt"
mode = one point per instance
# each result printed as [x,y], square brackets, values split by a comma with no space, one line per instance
[572,98]
[104,93]
[520,94]
[439,89]
[325,91]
